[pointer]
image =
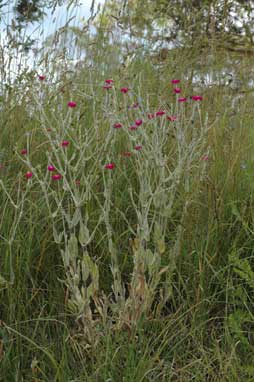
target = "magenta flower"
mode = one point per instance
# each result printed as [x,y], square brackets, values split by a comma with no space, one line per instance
[28,175]
[197,98]
[117,125]
[110,81]
[177,90]
[135,105]
[172,117]
[138,147]
[41,78]
[51,168]
[107,87]
[175,81]
[160,112]
[56,177]
[72,104]
[124,90]
[138,122]
[205,157]
[23,152]
[182,99]
[65,143]
[150,115]
[110,166]
[133,127]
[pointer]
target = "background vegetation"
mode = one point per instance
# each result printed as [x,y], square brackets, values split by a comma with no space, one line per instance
[135,261]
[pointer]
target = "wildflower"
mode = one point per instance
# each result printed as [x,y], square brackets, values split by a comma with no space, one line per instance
[150,115]
[51,168]
[107,87]
[23,152]
[124,90]
[28,175]
[77,182]
[41,78]
[177,90]
[138,122]
[196,98]
[171,117]
[72,104]
[109,81]
[133,127]
[135,105]
[182,99]
[138,147]
[175,81]
[110,166]
[65,143]
[117,125]
[160,112]
[56,177]
[205,157]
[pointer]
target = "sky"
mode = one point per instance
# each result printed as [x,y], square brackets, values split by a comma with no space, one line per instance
[51,21]
[61,15]
[40,31]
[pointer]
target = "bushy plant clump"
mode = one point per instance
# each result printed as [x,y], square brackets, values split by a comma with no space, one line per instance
[126,226]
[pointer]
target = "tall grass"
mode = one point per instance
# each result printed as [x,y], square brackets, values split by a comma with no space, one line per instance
[142,272]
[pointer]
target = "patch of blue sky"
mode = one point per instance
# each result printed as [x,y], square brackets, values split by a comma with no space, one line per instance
[53,19]
[75,14]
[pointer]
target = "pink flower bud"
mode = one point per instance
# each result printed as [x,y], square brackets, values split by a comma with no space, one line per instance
[205,157]
[160,112]
[72,104]
[109,81]
[182,99]
[41,78]
[133,127]
[177,90]
[56,177]
[124,90]
[138,122]
[110,166]
[23,152]
[150,115]
[197,98]
[28,175]
[51,168]
[171,117]
[117,125]
[107,87]
[138,147]
[65,143]
[175,81]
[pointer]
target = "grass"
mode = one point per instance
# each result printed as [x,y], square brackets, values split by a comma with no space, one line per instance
[139,273]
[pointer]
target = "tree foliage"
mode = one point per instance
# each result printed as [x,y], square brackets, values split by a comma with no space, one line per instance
[184,22]
[28,10]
